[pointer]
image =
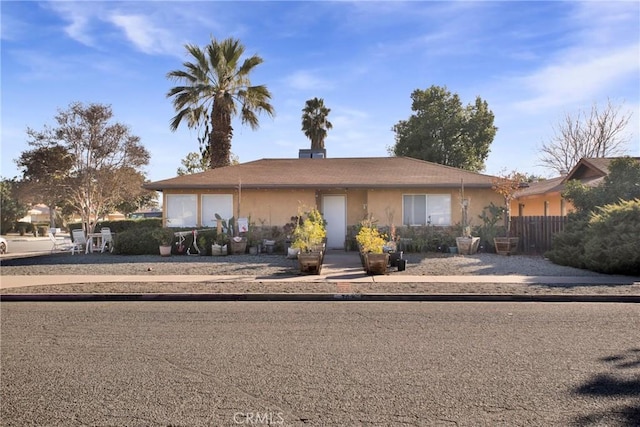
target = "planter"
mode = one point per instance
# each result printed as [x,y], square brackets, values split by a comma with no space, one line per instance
[253,250]
[376,263]
[506,245]
[218,250]
[310,263]
[292,253]
[238,246]
[467,245]
[453,249]
[394,257]
[269,245]
[165,250]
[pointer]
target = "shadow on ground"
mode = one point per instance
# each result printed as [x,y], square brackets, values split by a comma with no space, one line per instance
[620,382]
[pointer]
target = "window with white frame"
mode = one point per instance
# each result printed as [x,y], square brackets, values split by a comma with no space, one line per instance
[423,209]
[181,210]
[212,204]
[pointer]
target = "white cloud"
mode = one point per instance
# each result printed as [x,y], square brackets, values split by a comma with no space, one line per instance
[307,80]
[573,80]
[145,35]
[80,15]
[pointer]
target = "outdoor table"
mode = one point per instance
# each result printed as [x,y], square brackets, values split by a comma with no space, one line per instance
[90,239]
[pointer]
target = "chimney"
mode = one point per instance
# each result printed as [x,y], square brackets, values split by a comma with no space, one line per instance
[313,153]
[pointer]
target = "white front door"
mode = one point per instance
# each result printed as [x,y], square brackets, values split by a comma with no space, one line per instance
[335,214]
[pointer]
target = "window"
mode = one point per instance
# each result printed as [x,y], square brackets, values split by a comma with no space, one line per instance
[181,210]
[212,204]
[423,209]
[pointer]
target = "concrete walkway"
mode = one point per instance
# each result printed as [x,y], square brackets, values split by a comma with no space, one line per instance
[338,267]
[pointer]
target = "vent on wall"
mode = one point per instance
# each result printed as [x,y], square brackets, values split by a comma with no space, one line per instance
[316,153]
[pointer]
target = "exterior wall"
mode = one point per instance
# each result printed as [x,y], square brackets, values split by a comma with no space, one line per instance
[273,207]
[265,207]
[535,205]
[384,204]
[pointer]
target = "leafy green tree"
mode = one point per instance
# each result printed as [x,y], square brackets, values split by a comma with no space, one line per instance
[105,159]
[315,123]
[213,88]
[11,209]
[622,183]
[193,163]
[443,131]
[606,223]
[45,172]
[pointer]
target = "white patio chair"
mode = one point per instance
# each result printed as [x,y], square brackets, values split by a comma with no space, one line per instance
[60,244]
[107,239]
[79,241]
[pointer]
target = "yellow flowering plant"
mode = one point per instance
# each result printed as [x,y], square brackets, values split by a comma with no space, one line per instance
[369,237]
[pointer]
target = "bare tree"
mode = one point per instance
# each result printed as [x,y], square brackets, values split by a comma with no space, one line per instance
[599,133]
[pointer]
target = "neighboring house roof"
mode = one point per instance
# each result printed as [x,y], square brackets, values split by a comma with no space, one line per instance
[545,186]
[590,171]
[369,172]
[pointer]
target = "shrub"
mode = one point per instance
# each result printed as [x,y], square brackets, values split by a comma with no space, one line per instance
[369,238]
[607,242]
[205,240]
[143,241]
[568,246]
[613,244]
[309,232]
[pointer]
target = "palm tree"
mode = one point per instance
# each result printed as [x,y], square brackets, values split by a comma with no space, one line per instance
[315,123]
[214,87]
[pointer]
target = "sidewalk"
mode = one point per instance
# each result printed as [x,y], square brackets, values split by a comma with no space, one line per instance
[341,278]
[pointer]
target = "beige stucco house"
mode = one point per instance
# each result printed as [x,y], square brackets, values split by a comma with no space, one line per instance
[394,190]
[544,198]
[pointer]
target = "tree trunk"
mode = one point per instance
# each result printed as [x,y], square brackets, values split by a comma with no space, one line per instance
[220,137]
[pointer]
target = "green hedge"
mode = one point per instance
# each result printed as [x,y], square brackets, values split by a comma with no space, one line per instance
[608,242]
[137,241]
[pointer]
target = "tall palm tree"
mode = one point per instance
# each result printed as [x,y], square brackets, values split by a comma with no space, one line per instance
[215,86]
[315,123]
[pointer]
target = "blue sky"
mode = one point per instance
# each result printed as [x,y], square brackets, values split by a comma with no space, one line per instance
[533,62]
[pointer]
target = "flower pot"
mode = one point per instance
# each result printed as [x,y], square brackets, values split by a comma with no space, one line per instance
[376,263]
[238,246]
[506,245]
[218,250]
[453,249]
[467,245]
[310,263]
[394,257]
[292,253]
[253,250]
[165,250]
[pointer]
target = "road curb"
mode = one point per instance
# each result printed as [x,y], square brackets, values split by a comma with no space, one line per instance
[300,297]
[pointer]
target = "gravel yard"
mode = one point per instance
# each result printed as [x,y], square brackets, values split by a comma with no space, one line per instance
[277,265]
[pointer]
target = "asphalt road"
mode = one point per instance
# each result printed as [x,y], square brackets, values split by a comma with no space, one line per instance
[336,364]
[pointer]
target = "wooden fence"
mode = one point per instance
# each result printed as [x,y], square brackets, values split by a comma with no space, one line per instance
[536,232]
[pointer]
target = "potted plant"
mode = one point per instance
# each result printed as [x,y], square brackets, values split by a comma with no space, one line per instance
[308,238]
[219,247]
[507,186]
[466,244]
[371,243]
[164,237]
[237,243]
[391,247]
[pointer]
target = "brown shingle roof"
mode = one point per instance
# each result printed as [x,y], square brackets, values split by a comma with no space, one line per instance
[369,172]
[550,185]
